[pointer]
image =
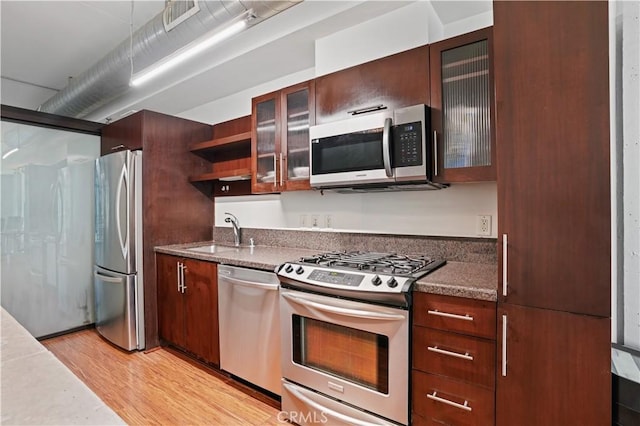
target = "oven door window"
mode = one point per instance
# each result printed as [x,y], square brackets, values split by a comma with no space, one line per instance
[357,151]
[354,355]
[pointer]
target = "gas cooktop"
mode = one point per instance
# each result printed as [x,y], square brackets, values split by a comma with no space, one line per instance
[381,263]
[357,274]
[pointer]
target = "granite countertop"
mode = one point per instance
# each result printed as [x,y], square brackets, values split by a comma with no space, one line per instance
[462,279]
[258,257]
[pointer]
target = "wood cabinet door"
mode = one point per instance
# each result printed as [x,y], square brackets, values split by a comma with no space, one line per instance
[265,143]
[462,112]
[558,371]
[125,133]
[201,310]
[394,81]
[170,303]
[552,129]
[298,113]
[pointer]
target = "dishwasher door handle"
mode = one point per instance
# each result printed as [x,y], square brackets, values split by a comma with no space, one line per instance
[253,284]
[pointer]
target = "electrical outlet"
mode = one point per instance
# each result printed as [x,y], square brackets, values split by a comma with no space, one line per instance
[328,221]
[315,221]
[483,225]
[303,221]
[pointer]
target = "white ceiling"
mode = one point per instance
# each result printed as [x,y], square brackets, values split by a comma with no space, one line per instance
[43,43]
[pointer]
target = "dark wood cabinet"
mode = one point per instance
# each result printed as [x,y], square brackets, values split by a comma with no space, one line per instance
[280,139]
[229,155]
[438,400]
[558,368]
[170,300]
[462,107]
[552,138]
[553,151]
[394,81]
[188,306]
[454,353]
[126,133]
[174,210]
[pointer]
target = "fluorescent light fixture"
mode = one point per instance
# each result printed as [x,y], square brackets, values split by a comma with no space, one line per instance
[186,53]
[8,153]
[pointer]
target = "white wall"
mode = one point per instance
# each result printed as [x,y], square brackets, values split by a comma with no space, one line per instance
[631,174]
[239,104]
[449,212]
[394,32]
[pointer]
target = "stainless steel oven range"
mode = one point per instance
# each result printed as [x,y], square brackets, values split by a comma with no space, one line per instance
[345,324]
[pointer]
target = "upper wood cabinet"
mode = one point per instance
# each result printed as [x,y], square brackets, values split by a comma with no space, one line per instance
[553,151]
[462,113]
[394,81]
[280,139]
[229,153]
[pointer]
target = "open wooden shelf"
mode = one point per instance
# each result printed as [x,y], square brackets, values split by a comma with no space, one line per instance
[225,174]
[228,142]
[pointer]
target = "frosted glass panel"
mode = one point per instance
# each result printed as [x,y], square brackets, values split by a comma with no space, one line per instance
[466,106]
[298,135]
[47,227]
[266,143]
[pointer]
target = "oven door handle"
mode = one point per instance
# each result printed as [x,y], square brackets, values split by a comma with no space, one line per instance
[357,313]
[326,410]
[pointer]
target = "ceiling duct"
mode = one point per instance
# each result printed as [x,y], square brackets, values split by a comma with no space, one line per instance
[109,77]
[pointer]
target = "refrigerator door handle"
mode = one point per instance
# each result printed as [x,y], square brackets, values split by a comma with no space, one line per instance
[123,181]
[107,278]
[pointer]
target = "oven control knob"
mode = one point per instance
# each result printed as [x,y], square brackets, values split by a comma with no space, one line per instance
[376,280]
[288,269]
[392,282]
[300,270]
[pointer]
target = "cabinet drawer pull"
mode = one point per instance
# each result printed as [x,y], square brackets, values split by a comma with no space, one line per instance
[365,110]
[435,397]
[465,317]
[275,167]
[504,264]
[435,153]
[449,353]
[113,148]
[504,346]
[281,171]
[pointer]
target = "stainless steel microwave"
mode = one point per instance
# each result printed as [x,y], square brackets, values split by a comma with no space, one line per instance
[378,149]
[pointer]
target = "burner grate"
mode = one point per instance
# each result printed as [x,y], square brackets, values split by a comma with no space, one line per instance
[389,263]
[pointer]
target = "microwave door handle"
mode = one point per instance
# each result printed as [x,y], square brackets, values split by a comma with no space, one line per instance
[386,147]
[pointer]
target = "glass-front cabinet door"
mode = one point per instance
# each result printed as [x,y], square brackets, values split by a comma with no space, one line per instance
[298,113]
[265,143]
[280,139]
[462,113]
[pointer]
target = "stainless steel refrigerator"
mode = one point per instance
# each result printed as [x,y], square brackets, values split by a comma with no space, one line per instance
[118,279]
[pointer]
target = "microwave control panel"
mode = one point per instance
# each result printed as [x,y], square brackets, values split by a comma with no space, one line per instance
[407,144]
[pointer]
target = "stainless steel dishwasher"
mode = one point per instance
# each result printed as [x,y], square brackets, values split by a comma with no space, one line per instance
[249,319]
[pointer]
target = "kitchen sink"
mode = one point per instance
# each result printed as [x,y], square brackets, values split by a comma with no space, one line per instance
[213,248]
[217,248]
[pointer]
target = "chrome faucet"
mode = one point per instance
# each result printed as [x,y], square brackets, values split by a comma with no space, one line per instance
[236,228]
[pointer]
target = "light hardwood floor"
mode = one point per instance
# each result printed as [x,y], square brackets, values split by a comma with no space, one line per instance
[160,387]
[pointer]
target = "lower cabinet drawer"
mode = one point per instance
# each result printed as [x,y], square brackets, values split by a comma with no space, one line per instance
[437,400]
[454,355]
